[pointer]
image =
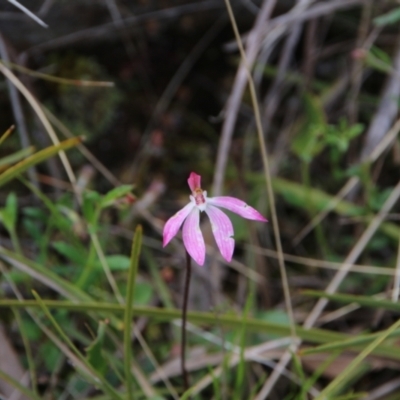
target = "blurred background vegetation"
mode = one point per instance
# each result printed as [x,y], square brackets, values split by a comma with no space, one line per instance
[158,89]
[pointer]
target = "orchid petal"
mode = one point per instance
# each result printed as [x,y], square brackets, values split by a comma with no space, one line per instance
[172,226]
[222,229]
[237,206]
[194,181]
[193,238]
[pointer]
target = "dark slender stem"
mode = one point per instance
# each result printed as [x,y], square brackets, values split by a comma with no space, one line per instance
[184,313]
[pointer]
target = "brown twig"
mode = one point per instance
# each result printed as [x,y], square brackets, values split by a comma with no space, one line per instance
[18,113]
[233,103]
[45,8]
[274,95]
[287,19]
[357,68]
[387,109]
[107,174]
[119,23]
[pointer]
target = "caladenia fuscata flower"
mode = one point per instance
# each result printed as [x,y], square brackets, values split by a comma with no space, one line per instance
[221,225]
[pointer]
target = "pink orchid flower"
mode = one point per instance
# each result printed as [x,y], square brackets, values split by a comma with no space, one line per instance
[220,224]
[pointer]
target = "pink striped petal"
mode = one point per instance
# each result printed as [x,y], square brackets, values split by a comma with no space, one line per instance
[222,229]
[172,226]
[237,206]
[194,181]
[193,238]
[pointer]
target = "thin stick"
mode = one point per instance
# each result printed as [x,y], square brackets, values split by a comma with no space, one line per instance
[383,145]
[233,102]
[396,286]
[110,30]
[184,314]
[28,13]
[42,117]
[18,112]
[353,256]
[267,174]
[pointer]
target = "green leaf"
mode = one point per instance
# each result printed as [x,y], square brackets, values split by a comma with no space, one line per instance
[240,227]
[65,218]
[308,141]
[35,213]
[143,293]
[379,60]
[94,352]
[339,136]
[389,18]
[354,130]
[34,230]
[381,55]
[115,194]
[49,354]
[72,253]
[298,195]
[378,197]
[275,316]
[36,158]
[8,214]
[90,206]
[32,331]
[117,262]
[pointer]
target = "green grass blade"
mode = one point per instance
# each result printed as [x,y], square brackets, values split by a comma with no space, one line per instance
[17,156]
[160,285]
[366,301]
[164,314]
[28,393]
[317,373]
[356,362]
[6,134]
[44,275]
[28,350]
[305,198]
[357,343]
[187,394]
[99,380]
[314,335]
[240,374]
[128,323]
[36,158]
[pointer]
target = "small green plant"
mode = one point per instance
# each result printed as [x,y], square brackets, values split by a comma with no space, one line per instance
[316,136]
